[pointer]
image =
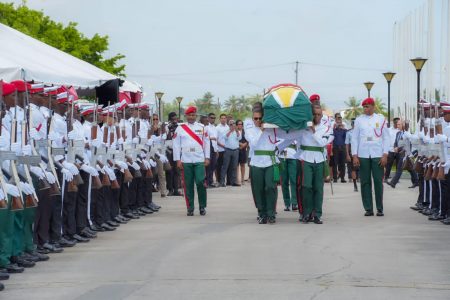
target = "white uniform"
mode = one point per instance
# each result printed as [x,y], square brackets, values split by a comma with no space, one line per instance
[186,148]
[370,139]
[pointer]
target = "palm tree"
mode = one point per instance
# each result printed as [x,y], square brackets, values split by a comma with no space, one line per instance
[244,105]
[232,105]
[354,109]
[380,107]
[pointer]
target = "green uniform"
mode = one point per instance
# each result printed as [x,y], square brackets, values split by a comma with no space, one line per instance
[6,234]
[288,174]
[194,173]
[312,188]
[371,167]
[264,189]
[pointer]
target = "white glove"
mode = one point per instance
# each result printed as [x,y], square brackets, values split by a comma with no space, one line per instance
[12,190]
[441,138]
[3,142]
[96,143]
[34,134]
[2,195]
[26,188]
[50,177]
[143,154]
[110,173]
[135,166]
[120,141]
[152,163]
[71,167]
[67,175]
[53,136]
[15,147]
[97,167]
[136,140]
[163,158]
[149,142]
[37,171]
[72,135]
[88,169]
[121,164]
[147,164]
[26,150]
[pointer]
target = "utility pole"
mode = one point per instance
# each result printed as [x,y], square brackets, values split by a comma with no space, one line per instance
[296,72]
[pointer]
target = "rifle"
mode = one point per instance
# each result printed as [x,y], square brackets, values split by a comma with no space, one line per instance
[4,201]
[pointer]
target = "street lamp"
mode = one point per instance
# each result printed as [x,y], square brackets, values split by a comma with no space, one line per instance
[369,86]
[389,76]
[159,96]
[418,63]
[179,99]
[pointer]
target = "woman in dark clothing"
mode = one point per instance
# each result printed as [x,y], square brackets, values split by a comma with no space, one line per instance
[243,145]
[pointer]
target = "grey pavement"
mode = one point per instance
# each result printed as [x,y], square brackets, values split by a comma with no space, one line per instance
[227,255]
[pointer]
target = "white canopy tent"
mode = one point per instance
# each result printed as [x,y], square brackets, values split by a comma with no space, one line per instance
[23,57]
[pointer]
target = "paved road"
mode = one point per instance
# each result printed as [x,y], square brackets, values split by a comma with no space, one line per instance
[227,255]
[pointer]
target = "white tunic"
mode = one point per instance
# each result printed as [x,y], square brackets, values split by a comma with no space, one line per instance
[370,138]
[186,148]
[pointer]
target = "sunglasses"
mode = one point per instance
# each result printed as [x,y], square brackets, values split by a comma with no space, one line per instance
[239,124]
[257,119]
[317,114]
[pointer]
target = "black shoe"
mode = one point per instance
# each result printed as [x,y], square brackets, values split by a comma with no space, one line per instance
[131,216]
[317,220]
[222,185]
[40,257]
[3,276]
[42,250]
[305,220]
[355,189]
[294,207]
[170,193]
[334,180]
[96,228]
[123,218]
[151,208]
[190,213]
[427,212]
[179,194]
[2,286]
[391,184]
[155,206]
[235,184]
[89,233]
[146,210]
[436,217]
[80,239]
[262,220]
[413,186]
[368,214]
[63,242]
[446,221]
[380,213]
[202,211]
[343,180]
[287,208]
[120,220]
[107,227]
[29,257]
[52,248]
[272,220]
[22,262]
[112,223]
[14,268]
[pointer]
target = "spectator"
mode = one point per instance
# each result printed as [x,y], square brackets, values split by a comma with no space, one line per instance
[339,149]
[243,146]
[222,130]
[230,156]
[212,132]
[392,154]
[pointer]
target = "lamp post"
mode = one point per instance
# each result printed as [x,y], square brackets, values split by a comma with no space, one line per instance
[369,86]
[159,96]
[389,76]
[418,63]
[179,99]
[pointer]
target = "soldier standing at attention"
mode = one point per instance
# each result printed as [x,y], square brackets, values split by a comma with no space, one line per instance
[191,149]
[370,147]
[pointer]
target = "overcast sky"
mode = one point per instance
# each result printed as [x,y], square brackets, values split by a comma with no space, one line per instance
[236,47]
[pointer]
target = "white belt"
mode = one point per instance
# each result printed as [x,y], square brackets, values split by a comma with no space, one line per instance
[371,139]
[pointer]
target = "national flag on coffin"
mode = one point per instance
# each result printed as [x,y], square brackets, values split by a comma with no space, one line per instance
[287,106]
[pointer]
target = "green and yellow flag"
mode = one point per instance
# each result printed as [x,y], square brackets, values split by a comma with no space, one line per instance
[287,106]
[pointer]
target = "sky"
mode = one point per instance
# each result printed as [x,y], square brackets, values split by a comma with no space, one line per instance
[239,47]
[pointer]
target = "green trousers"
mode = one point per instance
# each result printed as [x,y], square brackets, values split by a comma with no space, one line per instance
[29,215]
[18,235]
[312,188]
[194,173]
[369,167]
[6,234]
[264,190]
[288,174]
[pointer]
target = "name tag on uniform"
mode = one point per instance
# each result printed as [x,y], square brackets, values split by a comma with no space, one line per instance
[191,149]
[369,139]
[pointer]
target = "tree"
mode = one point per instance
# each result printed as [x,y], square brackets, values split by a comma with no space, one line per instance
[380,107]
[65,38]
[206,103]
[353,110]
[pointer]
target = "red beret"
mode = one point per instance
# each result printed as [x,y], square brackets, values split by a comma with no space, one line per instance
[8,88]
[21,85]
[314,97]
[444,103]
[190,110]
[368,101]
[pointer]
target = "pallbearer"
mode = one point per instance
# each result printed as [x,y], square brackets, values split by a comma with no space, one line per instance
[191,152]
[370,147]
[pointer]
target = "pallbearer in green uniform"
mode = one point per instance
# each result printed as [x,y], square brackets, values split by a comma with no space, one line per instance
[313,141]
[370,147]
[264,167]
[288,174]
[191,152]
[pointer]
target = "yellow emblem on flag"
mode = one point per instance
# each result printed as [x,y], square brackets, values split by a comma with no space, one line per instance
[285,96]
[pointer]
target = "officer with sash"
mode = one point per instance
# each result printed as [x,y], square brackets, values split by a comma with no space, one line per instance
[370,147]
[191,151]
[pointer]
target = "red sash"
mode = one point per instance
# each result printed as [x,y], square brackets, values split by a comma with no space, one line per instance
[192,134]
